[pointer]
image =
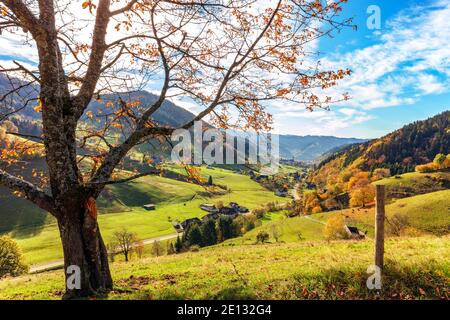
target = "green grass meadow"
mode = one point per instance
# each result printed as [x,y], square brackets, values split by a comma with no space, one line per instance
[416,268]
[175,201]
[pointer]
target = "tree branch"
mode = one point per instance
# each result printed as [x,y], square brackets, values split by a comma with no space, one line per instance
[95,59]
[31,192]
[25,16]
[134,177]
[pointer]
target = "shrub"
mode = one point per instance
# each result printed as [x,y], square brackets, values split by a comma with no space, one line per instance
[139,248]
[157,249]
[11,259]
[411,232]
[250,222]
[380,173]
[194,248]
[396,224]
[171,248]
[335,228]
[276,233]
[271,207]
[259,212]
[219,204]
[262,237]
[111,249]
[441,161]
[316,209]
[245,223]
[429,167]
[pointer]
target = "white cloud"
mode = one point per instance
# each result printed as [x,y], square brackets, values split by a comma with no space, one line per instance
[429,84]
[415,45]
[409,59]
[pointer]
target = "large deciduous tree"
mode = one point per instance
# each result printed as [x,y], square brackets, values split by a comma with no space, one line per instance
[229,56]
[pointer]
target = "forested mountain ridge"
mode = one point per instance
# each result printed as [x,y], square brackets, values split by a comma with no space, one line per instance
[309,148]
[169,114]
[400,151]
[300,148]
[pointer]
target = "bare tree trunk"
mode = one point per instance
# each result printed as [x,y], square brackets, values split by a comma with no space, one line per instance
[85,255]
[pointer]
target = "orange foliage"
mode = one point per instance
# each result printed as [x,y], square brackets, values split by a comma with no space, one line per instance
[440,162]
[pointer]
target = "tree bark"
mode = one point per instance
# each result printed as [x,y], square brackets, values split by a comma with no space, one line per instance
[85,250]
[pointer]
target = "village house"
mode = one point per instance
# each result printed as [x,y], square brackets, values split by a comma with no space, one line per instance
[209,216]
[149,207]
[178,227]
[354,233]
[209,207]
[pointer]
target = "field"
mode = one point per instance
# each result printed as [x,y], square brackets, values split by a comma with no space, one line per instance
[289,230]
[416,268]
[174,200]
[300,264]
[428,213]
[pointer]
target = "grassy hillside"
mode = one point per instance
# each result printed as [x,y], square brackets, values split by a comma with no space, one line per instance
[415,183]
[174,200]
[416,268]
[28,220]
[428,214]
[289,230]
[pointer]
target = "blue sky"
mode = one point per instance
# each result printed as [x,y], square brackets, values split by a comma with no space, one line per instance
[401,72]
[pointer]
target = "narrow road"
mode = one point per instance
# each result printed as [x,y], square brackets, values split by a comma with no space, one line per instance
[313,220]
[295,193]
[60,263]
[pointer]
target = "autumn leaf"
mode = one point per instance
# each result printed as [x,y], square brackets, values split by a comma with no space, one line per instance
[38,108]
[89,4]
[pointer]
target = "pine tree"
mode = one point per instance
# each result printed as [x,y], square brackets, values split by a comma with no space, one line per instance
[194,236]
[209,233]
[171,249]
[178,245]
[225,227]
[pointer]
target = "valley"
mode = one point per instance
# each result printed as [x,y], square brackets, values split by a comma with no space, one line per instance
[285,226]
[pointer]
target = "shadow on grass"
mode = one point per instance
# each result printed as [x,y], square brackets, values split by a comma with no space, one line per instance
[424,281]
[19,217]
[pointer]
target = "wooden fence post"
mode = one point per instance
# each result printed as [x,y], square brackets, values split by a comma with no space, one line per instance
[379,225]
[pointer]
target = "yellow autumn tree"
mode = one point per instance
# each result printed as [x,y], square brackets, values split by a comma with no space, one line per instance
[335,228]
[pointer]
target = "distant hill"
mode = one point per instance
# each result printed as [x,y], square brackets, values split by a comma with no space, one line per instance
[399,151]
[309,148]
[169,114]
[299,148]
